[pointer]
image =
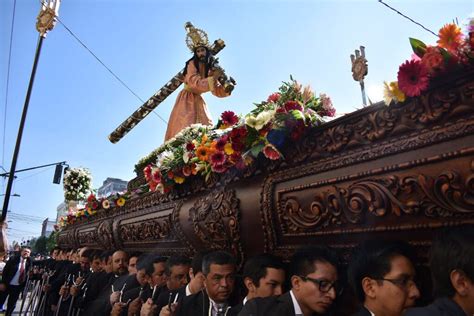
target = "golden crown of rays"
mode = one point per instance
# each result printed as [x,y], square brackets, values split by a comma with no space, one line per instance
[195,37]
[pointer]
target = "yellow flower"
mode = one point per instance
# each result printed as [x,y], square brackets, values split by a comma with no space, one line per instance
[178,180]
[105,204]
[120,202]
[204,139]
[397,93]
[228,149]
[392,93]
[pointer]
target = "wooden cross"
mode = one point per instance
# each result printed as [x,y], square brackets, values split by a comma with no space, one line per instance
[156,99]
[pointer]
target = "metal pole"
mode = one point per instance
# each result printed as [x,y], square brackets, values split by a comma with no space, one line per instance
[20,132]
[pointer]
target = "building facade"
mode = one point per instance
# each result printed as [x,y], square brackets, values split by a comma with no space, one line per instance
[47,227]
[111,186]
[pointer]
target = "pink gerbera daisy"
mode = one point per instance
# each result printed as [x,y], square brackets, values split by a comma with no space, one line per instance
[271,152]
[217,158]
[229,118]
[413,78]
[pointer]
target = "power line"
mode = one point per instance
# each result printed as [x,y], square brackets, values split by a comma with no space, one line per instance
[7,84]
[407,17]
[106,67]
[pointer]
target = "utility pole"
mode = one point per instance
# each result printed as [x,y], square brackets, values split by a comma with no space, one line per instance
[45,22]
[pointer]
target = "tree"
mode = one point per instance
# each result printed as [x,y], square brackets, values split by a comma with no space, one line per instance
[51,242]
[40,245]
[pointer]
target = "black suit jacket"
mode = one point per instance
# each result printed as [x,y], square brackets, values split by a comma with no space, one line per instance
[11,267]
[164,296]
[275,306]
[194,305]
[362,312]
[440,307]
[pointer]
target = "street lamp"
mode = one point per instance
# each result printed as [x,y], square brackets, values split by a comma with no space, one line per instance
[45,22]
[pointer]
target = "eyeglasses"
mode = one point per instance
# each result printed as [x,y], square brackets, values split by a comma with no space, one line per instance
[403,282]
[324,285]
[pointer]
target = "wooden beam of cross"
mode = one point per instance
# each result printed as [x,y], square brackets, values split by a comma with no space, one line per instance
[155,100]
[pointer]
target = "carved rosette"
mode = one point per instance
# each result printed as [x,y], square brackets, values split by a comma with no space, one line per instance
[450,194]
[216,221]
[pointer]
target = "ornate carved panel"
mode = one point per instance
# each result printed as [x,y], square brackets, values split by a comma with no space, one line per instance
[448,194]
[87,237]
[216,221]
[105,235]
[66,239]
[146,228]
[420,194]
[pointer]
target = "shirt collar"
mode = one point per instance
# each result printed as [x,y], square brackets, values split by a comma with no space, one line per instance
[295,304]
[188,290]
[372,314]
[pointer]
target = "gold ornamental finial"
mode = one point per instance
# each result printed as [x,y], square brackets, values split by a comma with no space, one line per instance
[195,37]
[46,19]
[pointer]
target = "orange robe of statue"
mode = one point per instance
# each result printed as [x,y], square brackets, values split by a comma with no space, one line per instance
[190,107]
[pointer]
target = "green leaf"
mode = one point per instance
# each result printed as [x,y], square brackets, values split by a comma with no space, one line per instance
[419,48]
[297,115]
[446,55]
[256,149]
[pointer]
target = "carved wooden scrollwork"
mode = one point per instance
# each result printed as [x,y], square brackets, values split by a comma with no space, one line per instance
[105,236]
[449,194]
[153,229]
[216,221]
[87,237]
[66,240]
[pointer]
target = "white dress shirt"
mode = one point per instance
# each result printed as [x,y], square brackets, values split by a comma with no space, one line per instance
[16,278]
[297,307]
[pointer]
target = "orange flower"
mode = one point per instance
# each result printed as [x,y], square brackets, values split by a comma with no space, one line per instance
[450,37]
[202,152]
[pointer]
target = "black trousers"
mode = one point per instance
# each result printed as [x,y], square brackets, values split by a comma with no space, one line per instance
[13,292]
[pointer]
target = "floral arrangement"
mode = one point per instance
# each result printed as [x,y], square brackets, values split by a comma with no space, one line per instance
[93,204]
[77,184]
[453,50]
[235,142]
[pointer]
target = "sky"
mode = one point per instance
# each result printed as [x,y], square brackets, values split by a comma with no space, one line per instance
[76,103]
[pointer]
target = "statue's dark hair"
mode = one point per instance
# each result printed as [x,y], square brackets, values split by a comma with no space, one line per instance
[195,60]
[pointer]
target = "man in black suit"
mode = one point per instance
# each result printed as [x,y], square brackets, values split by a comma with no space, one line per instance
[177,269]
[219,269]
[263,276]
[314,287]
[381,274]
[14,279]
[452,271]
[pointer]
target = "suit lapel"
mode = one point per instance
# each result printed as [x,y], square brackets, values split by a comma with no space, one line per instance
[286,301]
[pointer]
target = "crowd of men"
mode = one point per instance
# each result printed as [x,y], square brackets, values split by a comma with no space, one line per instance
[380,274]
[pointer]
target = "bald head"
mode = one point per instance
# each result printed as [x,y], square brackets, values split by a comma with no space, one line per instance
[120,262]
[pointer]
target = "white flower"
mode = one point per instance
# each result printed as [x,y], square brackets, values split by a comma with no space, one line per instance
[260,120]
[186,157]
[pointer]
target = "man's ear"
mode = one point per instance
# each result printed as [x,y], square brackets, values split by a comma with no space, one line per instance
[191,273]
[249,285]
[368,285]
[295,282]
[460,282]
